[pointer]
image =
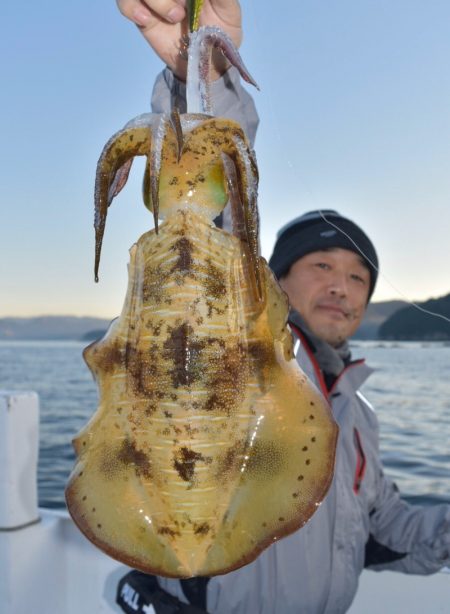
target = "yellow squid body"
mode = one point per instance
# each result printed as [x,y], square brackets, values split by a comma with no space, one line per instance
[209,442]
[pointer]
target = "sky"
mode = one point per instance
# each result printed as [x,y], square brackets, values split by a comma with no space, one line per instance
[354,115]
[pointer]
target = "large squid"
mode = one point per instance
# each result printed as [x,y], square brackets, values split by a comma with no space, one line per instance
[209,442]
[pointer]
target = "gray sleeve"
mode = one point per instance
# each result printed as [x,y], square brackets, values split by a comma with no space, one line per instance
[407,538]
[230,99]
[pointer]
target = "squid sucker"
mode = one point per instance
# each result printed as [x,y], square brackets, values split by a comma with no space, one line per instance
[209,442]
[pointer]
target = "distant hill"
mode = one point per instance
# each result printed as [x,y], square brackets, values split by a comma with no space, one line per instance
[376,314]
[51,328]
[67,328]
[93,335]
[412,324]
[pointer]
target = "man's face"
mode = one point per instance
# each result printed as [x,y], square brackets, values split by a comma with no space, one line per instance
[330,290]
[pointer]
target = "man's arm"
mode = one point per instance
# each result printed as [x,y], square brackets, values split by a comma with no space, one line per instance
[407,538]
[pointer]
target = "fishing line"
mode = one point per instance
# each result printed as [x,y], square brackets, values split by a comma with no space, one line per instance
[377,269]
[291,166]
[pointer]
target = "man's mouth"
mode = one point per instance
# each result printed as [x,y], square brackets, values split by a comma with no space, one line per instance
[334,309]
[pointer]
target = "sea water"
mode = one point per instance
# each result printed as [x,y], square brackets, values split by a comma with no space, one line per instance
[410,391]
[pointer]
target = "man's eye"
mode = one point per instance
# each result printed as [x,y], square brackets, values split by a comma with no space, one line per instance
[359,279]
[323,265]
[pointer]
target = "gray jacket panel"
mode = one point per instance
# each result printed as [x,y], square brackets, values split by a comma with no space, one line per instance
[231,100]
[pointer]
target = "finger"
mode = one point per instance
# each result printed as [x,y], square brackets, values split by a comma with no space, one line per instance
[144,12]
[224,13]
[224,4]
[171,11]
[228,9]
[130,8]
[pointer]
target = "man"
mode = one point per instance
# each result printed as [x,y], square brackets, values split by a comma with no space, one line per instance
[335,262]
[328,267]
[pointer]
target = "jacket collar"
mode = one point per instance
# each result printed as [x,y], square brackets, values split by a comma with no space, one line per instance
[330,360]
[334,363]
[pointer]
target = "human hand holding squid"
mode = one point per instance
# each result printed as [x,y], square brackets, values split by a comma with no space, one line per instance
[163,24]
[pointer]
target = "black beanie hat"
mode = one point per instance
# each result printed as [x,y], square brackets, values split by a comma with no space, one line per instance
[321,230]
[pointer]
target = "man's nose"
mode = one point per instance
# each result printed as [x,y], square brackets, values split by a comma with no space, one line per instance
[338,285]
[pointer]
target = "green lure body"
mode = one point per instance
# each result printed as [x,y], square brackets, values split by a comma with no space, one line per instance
[194,8]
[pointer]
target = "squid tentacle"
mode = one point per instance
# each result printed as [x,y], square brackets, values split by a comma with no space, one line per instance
[112,174]
[232,142]
[145,135]
[248,182]
[119,180]
[201,43]
[175,121]
[159,135]
[237,211]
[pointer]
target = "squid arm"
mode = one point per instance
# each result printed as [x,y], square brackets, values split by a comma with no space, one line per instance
[201,44]
[150,186]
[237,210]
[232,143]
[142,136]
[175,121]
